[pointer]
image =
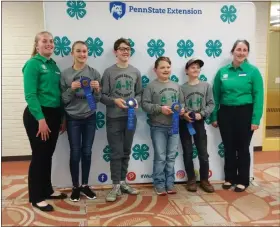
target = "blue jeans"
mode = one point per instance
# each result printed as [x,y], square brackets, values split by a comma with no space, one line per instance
[81,134]
[165,147]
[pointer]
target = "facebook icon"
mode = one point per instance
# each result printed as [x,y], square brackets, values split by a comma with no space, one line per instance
[102,177]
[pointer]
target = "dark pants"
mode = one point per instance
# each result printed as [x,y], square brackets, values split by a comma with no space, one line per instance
[39,176]
[235,128]
[81,133]
[200,141]
[120,141]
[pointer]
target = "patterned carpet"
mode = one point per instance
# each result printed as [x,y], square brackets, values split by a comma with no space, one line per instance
[259,205]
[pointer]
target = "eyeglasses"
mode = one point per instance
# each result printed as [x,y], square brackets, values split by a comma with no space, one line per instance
[123,49]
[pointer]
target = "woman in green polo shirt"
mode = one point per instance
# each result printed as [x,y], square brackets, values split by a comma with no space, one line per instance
[42,119]
[238,94]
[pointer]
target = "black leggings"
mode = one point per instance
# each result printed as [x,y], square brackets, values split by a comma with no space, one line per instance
[39,176]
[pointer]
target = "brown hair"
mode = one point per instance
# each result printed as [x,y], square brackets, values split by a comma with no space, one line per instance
[78,42]
[119,42]
[37,37]
[240,41]
[167,59]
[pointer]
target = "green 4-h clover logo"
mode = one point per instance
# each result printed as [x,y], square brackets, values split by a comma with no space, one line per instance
[131,46]
[156,48]
[62,46]
[100,120]
[148,119]
[195,152]
[174,78]
[94,46]
[76,8]
[177,153]
[202,77]
[208,121]
[145,81]
[140,152]
[213,48]
[185,49]
[107,152]
[228,14]
[221,150]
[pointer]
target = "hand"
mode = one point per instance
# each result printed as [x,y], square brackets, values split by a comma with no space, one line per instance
[254,127]
[136,107]
[75,85]
[166,110]
[215,124]
[198,116]
[43,130]
[187,117]
[182,112]
[120,103]
[95,85]
[63,127]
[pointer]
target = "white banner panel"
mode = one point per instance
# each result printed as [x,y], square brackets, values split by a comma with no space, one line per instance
[178,30]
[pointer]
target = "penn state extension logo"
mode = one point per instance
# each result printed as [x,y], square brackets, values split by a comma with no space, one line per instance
[117,9]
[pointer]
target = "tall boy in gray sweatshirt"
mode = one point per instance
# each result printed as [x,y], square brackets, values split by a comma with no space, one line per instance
[198,100]
[119,83]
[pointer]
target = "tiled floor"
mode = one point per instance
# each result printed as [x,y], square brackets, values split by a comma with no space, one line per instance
[259,205]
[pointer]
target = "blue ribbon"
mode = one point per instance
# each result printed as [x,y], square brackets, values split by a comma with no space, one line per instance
[190,125]
[85,84]
[131,104]
[176,108]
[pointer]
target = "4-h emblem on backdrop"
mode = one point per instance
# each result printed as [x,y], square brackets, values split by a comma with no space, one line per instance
[145,81]
[185,49]
[174,78]
[106,153]
[100,120]
[202,77]
[76,8]
[195,152]
[221,150]
[228,14]
[117,9]
[140,152]
[148,120]
[213,48]
[131,46]
[95,48]
[61,46]
[156,48]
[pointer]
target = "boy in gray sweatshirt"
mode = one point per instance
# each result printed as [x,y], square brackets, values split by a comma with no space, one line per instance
[120,82]
[157,100]
[199,101]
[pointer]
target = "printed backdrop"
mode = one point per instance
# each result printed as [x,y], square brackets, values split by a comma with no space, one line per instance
[179,30]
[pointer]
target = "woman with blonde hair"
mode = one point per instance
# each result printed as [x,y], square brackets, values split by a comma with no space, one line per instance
[42,118]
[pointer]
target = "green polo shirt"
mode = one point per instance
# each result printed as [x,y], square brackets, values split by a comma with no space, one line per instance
[239,86]
[41,84]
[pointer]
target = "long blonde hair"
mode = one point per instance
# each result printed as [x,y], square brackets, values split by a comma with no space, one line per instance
[37,37]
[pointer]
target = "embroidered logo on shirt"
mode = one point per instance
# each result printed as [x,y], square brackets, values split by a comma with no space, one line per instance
[225,76]
[242,74]
[44,67]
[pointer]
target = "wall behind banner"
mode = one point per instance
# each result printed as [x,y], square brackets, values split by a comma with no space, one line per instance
[179,30]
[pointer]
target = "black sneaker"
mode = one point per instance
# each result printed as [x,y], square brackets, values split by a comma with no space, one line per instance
[75,196]
[86,191]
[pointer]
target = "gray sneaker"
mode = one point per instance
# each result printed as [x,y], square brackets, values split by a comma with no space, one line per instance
[126,188]
[112,195]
